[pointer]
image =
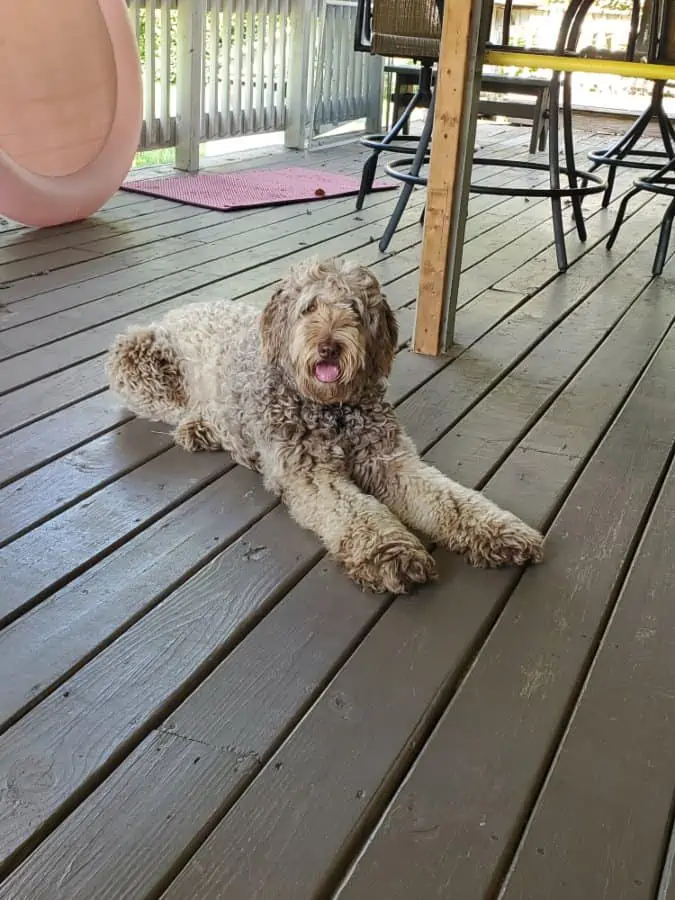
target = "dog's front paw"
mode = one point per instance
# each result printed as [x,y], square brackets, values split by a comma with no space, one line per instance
[394,566]
[503,541]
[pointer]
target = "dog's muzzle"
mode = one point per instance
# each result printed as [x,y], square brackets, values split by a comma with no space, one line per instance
[327,369]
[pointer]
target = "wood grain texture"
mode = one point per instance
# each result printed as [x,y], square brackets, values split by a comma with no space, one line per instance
[603,817]
[37,444]
[85,874]
[76,733]
[88,284]
[96,607]
[32,365]
[593,358]
[52,488]
[262,686]
[72,277]
[54,552]
[455,112]
[581,324]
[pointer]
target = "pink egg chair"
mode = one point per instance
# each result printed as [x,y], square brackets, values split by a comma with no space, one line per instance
[70,107]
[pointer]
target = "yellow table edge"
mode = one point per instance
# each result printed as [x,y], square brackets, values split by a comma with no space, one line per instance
[651,71]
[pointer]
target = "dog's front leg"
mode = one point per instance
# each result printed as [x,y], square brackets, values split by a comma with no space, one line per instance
[460,519]
[374,547]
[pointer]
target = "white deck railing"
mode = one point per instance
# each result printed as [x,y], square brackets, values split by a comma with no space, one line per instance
[221,68]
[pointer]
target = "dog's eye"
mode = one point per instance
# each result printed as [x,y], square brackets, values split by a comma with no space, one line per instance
[356,309]
[309,308]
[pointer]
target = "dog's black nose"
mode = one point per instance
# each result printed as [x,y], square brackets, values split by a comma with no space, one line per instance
[329,350]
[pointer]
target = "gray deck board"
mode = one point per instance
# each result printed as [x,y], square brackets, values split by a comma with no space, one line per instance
[198,704]
[609,794]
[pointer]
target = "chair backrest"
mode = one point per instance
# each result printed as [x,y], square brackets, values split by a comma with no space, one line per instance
[407,28]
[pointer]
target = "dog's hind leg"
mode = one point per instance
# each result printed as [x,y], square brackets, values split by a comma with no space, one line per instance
[144,370]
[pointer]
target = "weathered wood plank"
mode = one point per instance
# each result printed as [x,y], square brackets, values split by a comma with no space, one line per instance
[601,822]
[236,253]
[46,492]
[23,451]
[162,219]
[474,330]
[161,759]
[42,398]
[41,362]
[97,267]
[18,374]
[234,226]
[271,678]
[531,246]
[59,324]
[30,403]
[70,542]
[170,222]
[145,672]
[90,612]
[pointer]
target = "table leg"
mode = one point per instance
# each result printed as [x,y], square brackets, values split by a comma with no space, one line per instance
[465,29]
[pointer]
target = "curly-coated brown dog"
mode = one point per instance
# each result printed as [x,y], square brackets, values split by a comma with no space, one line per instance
[297,393]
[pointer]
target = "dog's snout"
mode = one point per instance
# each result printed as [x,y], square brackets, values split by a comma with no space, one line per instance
[329,350]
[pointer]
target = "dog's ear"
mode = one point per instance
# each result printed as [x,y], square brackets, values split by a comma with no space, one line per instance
[273,326]
[384,337]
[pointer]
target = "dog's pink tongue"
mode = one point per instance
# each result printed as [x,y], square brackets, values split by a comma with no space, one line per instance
[327,372]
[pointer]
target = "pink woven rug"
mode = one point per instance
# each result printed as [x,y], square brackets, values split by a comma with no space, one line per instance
[255,187]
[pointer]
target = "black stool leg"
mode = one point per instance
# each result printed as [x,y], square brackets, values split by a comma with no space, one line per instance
[367,177]
[554,176]
[664,239]
[370,167]
[570,161]
[611,178]
[621,214]
[407,189]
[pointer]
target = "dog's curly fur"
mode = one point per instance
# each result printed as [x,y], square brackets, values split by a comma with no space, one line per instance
[321,433]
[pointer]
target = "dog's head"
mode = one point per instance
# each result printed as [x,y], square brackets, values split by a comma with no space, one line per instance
[330,328]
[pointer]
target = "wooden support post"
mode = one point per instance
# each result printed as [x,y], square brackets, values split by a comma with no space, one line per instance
[465,25]
[189,82]
[300,63]
[375,98]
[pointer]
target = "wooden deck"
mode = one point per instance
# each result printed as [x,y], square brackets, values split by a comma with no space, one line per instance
[196,704]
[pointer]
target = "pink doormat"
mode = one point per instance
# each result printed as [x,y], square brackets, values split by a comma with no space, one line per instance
[256,187]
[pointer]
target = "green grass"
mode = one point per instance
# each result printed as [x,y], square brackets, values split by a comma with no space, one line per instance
[164,156]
